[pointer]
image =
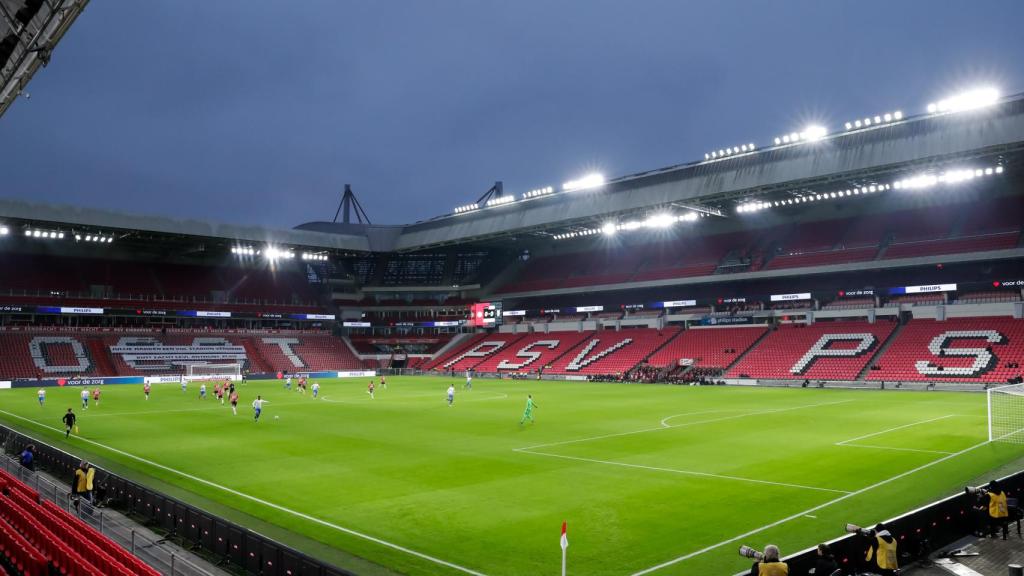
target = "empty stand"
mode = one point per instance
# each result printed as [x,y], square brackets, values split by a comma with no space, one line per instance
[825,351]
[531,352]
[708,347]
[959,349]
[612,352]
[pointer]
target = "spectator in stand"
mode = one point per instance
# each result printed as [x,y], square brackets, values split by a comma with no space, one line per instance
[28,457]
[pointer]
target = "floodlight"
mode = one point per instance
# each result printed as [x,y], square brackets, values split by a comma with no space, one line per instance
[588,181]
[4,230]
[977,98]
[815,132]
[878,119]
[999,170]
[60,235]
[778,141]
[857,123]
[609,228]
[659,221]
[897,115]
[887,117]
[689,217]
[849,126]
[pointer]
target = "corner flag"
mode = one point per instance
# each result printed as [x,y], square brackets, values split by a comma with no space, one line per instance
[565,544]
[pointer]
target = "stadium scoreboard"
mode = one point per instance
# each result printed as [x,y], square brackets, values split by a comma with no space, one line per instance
[485,314]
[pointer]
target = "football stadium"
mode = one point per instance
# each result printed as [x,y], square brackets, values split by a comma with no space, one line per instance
[804,348]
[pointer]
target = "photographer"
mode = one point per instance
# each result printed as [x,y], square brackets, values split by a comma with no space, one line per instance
[768,564]
[881,555]
[992,510]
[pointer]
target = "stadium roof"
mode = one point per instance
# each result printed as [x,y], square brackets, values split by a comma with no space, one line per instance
[29,31]
[881,153]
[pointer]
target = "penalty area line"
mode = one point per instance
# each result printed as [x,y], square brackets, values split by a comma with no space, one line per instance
[260,501]
[804,513]
[686,472]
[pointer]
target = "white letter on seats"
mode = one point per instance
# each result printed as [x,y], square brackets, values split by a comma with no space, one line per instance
[530,356]
[478,352]
[983,359]
[285,344]
[821,349]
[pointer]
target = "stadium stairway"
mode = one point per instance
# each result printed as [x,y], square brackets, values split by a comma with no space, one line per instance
[257,363]
[659,348]
[881,351]
[739,357]
[101,356]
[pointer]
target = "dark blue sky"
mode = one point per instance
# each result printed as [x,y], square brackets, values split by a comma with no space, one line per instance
[259,112]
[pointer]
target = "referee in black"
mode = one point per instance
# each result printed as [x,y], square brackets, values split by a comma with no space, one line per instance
[69,422]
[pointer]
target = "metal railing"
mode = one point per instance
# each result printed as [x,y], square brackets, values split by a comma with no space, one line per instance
[113,525]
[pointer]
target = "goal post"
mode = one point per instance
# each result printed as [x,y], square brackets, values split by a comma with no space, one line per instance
[231,370]
[1006,414]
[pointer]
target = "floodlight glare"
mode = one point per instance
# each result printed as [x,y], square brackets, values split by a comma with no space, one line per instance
[4,230]
[977,98]
[659,221]
[588,181]
[609,228]
[814,132]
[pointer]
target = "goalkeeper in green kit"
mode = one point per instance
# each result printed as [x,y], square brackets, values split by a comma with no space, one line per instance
[528,413]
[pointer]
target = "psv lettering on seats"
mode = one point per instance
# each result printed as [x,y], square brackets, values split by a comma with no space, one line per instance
[530,355]
[984,361]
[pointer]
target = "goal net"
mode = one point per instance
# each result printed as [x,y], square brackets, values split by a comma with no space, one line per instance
[1006,414]
[213,371]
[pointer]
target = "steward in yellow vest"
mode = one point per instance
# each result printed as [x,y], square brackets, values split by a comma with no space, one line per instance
[770,565]
[881,553]
[998,510]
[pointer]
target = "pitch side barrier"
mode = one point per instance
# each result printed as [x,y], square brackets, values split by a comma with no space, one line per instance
[248,551]
[89,381]
[919,532]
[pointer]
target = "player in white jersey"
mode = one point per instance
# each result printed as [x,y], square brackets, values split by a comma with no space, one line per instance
[316,389]
[469,380]
[42,396]
[451,394]
[257,407]
[288,383]
[184,383]
[202,391]
[85,398]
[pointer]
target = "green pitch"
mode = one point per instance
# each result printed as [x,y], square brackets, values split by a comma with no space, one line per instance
[644,475]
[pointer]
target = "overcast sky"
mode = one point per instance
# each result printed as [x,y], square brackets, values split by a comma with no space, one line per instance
[259,112]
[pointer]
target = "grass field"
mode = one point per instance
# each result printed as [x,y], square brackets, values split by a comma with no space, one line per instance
[646,476]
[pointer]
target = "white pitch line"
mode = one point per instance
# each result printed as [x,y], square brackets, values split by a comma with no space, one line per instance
[278,507]
[686,472]
[667,418]
[894,448]
[804,512]
[684,425]
[895,429]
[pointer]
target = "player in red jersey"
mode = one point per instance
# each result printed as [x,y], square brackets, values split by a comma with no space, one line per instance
[145,389]
[96,396]
[234,402]
[369,389]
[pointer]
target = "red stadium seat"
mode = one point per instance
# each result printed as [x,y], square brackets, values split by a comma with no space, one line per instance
[914,356]
[821,351]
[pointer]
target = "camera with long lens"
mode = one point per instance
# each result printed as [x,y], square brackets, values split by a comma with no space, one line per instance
[854,529]
[748,552]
